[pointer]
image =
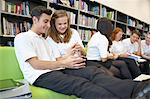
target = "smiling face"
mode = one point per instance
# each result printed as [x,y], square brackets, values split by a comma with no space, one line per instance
[61,24]
[42,24]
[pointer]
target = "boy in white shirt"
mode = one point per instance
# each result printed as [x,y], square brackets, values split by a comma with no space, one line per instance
[133,43]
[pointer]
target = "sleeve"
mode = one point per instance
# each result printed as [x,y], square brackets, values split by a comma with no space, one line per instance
[24,48]
[142,47]
[103,46]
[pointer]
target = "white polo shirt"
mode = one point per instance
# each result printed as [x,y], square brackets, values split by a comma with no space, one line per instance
[131,47]
[145,48]
[63,47]
[118,47]
[28,45]
[97,47]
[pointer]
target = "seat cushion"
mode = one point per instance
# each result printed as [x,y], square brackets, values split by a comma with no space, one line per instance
[41,93]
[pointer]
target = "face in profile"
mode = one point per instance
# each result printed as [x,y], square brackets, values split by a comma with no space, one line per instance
[43,23]
[134,38]
[119,36]
[61,24]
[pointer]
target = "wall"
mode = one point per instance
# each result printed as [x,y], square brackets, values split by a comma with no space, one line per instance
[139,9]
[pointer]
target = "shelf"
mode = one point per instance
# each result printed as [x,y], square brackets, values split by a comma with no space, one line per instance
[87,27]
[89,14]
[13,14]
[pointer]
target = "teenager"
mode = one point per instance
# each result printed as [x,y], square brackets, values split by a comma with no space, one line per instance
[64,38]
[68,75]
[98,49]
[145,53]
[118,48]
[133,44]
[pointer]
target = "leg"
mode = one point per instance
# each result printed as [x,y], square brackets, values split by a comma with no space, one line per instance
[72,85]
[122,66]
[120,88]
[132,65]
[97,64]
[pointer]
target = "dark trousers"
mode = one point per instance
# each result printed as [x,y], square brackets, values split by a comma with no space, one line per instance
[119,64]
[89,83]
[145,67]
[132,66]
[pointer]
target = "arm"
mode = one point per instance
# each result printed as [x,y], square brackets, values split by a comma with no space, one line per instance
[67,62]
[139,48]
[146,57]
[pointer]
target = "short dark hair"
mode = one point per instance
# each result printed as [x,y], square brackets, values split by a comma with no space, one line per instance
[136,32]
[39,10]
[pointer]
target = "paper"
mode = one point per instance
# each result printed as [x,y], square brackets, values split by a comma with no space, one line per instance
[142,77]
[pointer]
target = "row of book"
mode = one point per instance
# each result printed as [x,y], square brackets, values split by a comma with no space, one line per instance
[135,23]
[85,34]
[22,8]
[82,5]
[72,17]
[89,8]
[13,28]
[131,22]
[108,14]
[87,21]
[71,3]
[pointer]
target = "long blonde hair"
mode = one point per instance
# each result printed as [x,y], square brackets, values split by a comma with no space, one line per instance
[53,33]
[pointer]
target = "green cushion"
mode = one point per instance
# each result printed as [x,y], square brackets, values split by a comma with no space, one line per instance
[9,68]
[41,93]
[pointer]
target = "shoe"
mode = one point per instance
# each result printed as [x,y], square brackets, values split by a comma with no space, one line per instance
[142,90]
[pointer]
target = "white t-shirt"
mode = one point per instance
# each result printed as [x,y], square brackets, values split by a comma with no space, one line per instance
[130,47]
[62,47]
[97,47]
[145,48]
[28,45]
[118,47]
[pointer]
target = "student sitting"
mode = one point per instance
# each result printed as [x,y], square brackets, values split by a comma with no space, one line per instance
[118,47]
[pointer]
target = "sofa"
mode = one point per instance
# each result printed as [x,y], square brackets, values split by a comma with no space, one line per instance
[9,69]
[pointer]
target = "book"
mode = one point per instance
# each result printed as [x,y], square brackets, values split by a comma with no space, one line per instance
[14,89]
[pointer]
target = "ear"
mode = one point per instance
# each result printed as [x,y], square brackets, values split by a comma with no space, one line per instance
[34,19]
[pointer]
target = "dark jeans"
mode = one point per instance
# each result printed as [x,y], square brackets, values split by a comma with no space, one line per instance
[89,83]
[132,66]
[119,64]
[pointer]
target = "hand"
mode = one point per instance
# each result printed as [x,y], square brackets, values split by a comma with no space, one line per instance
[115,56]
[73,62]
[124,55]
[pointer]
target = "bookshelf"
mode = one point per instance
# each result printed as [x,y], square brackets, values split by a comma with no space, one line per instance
[15,17]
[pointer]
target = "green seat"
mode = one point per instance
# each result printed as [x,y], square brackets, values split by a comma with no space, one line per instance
[9,68]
